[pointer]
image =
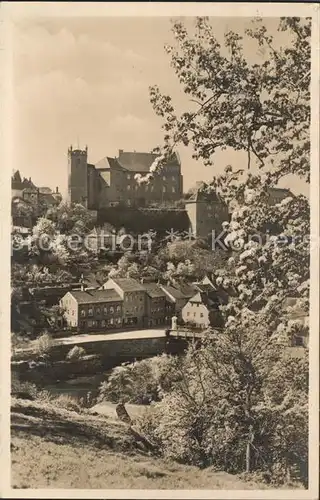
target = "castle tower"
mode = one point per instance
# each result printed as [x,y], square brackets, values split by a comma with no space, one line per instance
[206,212]
[78,176]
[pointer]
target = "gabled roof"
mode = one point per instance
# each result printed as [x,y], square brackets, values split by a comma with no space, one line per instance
[173,292]
[205,195]
[95,296]
[274,191]
[141,162]
[108,163]
[209,300]
[128,284]
[48,198]
[154,290]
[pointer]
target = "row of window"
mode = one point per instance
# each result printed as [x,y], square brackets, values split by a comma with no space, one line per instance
[135,309]
[92,323]
[195,314]
[158,309]
[106,310]
[147,187]
[132,297]
[164,177]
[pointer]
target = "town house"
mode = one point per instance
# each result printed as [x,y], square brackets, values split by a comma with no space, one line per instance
[133,295]
[202,310]
[92,309]
[159,308]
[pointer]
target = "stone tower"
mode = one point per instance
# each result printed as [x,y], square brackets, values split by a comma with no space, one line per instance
[206,212]
[78,176]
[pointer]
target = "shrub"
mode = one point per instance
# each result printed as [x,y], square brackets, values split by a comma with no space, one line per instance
[67,402]
[43,344]
[201,418]
[76,353]
[140,382]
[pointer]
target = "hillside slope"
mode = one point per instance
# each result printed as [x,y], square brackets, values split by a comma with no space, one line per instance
[56,448]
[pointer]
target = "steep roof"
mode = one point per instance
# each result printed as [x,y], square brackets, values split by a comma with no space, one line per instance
[279,191]
[108,163]
[201,195]
[209,300]
[45,190]
[140,162]
[174,292]
[95,296]
[128,284]
[48,198]
[154,290]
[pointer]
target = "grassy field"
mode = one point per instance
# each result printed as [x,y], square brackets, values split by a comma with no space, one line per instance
[56,448]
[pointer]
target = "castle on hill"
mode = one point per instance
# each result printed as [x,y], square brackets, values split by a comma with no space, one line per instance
[113,181]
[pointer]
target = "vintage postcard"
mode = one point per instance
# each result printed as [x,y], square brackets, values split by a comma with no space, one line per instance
[160,250]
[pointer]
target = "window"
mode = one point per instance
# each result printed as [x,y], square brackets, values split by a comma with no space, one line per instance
[112,309]
[201,315]
[103,322]
[164,190]
[90,323]
[98,310]
[188,314]
[73,312]
[128,177]
[194,315]
[83,313]
[173,178]
[111,321]
[105,310]
[173,189]
[118,308]
[128,188]
[164,178]
[90,311]
[119,321]
[152,188]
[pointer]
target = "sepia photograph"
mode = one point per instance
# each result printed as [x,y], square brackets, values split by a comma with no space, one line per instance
[162,171]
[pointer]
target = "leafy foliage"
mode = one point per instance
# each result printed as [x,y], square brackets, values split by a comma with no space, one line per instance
[140,382]
[76,353]
[260,107]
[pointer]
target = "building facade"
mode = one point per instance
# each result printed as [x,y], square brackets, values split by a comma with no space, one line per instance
[133,296]
[159,309]
[94,309]
[206,212]
[112,181]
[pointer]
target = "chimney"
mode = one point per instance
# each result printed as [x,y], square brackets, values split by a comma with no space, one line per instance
[120,152]
[57,190]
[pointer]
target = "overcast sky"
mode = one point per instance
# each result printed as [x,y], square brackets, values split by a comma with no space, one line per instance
[85,81]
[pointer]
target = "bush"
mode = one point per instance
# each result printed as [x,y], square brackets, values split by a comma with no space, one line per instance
[141,382]
[76,353]
[201,420]
[43,344]
[67,402]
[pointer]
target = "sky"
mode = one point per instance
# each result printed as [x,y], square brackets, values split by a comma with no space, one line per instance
[84,81]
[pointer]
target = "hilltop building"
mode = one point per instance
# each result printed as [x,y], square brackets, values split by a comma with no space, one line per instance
[112,181]
[206,212]
[28,198]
